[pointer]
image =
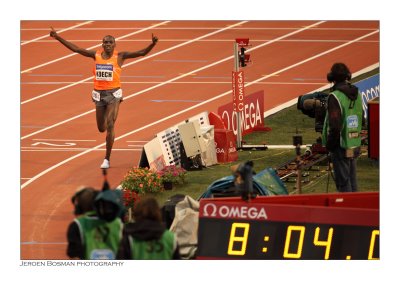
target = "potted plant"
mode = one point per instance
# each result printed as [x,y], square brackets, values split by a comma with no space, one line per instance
[136,183]
[172,174]
[142,181]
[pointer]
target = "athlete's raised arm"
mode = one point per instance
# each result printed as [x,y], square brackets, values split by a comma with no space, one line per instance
[71,46]
[125,55]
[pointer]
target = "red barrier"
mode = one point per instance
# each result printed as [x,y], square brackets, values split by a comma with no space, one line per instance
[225,140]
[225,145]
[373,128]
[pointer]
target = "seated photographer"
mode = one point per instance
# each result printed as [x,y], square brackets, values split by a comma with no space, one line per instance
[96,233]
[342,127]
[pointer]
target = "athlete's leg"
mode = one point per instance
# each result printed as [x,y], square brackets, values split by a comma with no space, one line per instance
[111,116]
[101,118]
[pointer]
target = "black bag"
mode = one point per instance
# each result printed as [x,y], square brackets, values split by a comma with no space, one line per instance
[168,209]
[190,164]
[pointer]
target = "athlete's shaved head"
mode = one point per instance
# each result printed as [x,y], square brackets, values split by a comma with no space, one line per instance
[109,44]
[109,38]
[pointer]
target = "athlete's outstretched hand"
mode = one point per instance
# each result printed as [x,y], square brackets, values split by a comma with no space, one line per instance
[154,39]
[53,33]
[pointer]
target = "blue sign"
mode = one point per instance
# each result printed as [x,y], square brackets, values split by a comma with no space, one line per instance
[369,89]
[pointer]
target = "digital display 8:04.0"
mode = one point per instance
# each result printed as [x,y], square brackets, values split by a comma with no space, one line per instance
[278,240]
[324,236]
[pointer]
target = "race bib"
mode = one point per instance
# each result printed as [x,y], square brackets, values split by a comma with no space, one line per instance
[104,72]
[95,95]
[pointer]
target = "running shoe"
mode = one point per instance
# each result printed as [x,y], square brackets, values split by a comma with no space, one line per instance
[105,164]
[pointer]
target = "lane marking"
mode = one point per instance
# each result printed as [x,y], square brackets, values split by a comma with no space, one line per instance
[32,149]
[308,79]
[211,28]
[63,30]
[213,77]
[53,144]
[192,82]
[33,127]
[144,77]
[179,60]
[42,243]
[222,40]
[137,141]
[136,61]
[64,140]
[190,108]
[175,100]
[53,75]
[92,47]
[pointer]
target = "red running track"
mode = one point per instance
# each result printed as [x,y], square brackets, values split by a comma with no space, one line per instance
[188,72]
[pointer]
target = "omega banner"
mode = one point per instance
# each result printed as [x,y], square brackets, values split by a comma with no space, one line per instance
[238,90]
[251,109]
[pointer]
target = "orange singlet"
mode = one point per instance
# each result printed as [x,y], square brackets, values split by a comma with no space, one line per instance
[107,72]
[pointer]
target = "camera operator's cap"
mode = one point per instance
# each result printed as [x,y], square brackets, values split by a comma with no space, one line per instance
[113,196]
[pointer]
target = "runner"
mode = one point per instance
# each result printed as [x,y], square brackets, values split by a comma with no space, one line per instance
[107,93]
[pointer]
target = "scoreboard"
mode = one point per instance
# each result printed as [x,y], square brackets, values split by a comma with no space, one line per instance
[325,226]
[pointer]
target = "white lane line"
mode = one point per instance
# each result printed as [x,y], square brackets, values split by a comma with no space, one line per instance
[194,83]
[63,30]
[190,108]
[64,140]
[171,80]
[72,54]
[225,40]
[139,60]
[42,243]
[213,28]
[53,144]
[38,149]
[137,141]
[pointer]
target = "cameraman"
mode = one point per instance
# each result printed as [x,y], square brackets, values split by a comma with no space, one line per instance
[97,230]
[342,127]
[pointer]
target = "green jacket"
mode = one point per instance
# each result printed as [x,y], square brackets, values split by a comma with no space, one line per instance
[100,238]
[162,248]
[351,123]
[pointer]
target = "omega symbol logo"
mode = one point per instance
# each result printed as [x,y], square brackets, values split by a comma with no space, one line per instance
[212,209]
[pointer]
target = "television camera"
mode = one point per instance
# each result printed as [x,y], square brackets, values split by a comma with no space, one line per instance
[314,105]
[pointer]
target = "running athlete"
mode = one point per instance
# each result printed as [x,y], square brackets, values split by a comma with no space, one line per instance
[107,93]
